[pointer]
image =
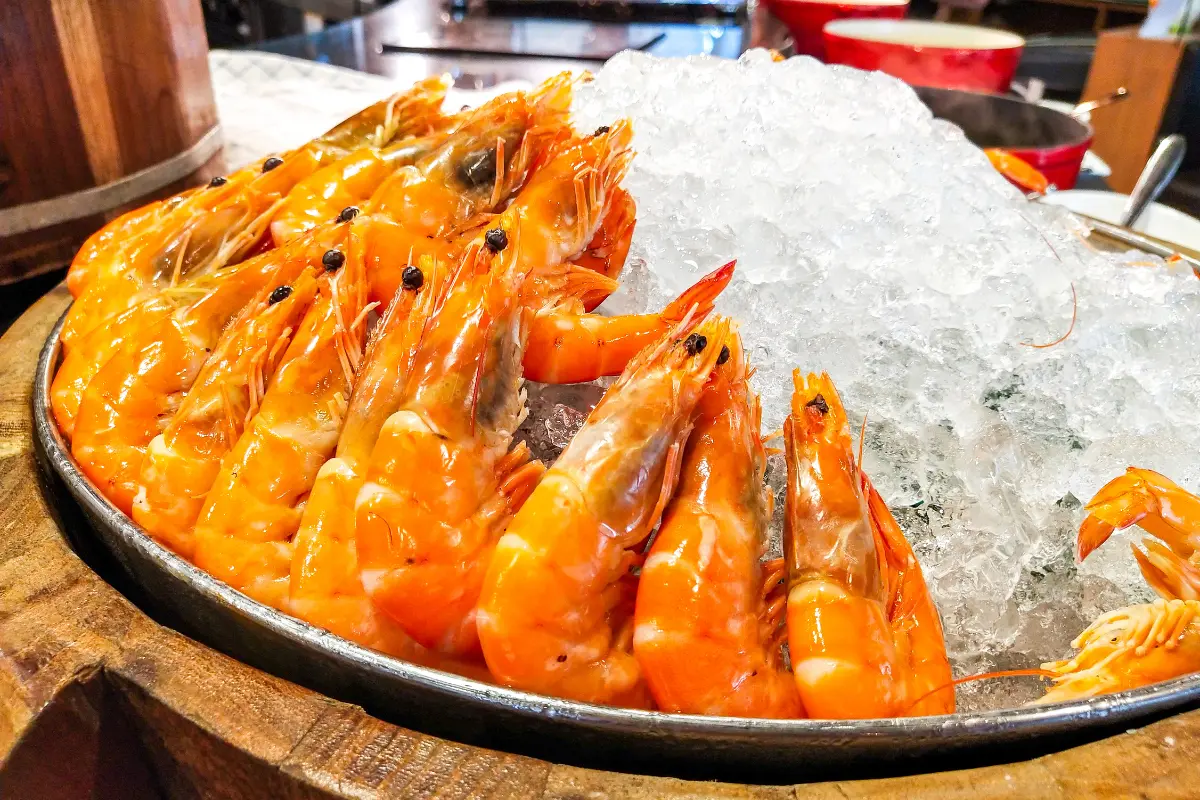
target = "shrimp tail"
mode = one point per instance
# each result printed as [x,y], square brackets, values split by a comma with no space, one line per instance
[1163,509]
[702,295]
[520,473]
[582,285]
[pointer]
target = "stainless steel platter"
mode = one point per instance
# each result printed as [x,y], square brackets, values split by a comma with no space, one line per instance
[752,750]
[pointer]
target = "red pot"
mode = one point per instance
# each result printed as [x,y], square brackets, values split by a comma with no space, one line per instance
[927,53]
[1051,141]
[805,19]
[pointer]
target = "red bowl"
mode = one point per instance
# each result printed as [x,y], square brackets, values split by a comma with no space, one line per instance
[1059,164]
[805,19]
[927,53]
[1051,141]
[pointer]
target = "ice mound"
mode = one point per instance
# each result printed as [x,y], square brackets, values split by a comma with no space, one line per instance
[877,243]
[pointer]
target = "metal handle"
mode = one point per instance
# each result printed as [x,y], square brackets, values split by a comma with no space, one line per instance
[1092,105]
[1159,171]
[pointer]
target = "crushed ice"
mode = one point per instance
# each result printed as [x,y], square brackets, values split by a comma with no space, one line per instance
[876,243]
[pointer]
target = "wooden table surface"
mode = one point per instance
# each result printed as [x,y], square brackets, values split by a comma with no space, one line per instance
[99,701]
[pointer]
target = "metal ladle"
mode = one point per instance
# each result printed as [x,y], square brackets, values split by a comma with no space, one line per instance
[1159,171]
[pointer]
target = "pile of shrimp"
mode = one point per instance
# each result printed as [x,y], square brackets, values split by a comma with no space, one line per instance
[306,379]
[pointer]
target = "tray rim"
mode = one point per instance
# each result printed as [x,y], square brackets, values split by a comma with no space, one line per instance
[1026,721]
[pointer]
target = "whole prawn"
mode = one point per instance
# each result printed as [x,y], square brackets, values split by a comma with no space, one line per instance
[244,531]
[137,392]
[1147,643]
[182,462]
[325,588]
[864,636]
[326,536]
[555,612]
[442,482]
[709,627]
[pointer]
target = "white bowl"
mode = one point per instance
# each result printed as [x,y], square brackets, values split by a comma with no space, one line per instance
[1161,222]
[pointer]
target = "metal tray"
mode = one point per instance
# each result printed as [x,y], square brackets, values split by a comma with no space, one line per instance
[753,750]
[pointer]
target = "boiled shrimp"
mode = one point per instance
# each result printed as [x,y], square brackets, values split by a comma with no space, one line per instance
[1140,644]
[562,207]
[96,348]
[243,535]
[1017,170]
[182,462]
[442,481]
[1162,508]
[325,588]
[709,628]
[864,636]
[554,217]
[214,227]
[136,393]
[104,243]
[555,612]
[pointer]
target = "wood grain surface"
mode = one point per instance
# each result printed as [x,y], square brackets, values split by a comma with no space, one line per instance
[90,91]
[99,701]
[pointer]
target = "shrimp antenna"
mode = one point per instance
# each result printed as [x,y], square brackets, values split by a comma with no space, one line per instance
[983,676]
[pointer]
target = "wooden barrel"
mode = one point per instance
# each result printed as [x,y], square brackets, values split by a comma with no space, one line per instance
[104,105]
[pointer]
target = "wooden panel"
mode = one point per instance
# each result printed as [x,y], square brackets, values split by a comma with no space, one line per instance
[1126,132]
[41,139]
[155,62]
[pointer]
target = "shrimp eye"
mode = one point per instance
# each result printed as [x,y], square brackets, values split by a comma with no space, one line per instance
[819,404]
[603,129]
[496,239]
[271,163]
[695,343]
[333,260]
[721,359]
[562,658]
[348,213]
[218,181]
[412,278]
[280,294]
[478,169]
